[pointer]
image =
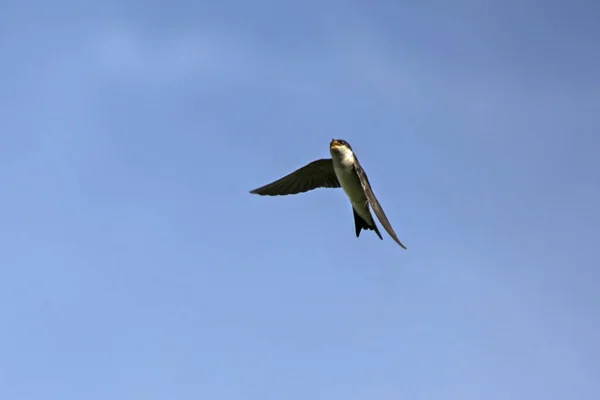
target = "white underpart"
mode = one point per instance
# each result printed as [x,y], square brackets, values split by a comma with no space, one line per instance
[343,164]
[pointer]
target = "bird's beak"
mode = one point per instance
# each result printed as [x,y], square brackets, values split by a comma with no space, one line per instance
[334,143]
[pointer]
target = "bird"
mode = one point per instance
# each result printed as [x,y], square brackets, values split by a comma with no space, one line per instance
[341,170]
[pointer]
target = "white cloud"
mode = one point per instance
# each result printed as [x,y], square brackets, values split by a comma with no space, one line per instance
[168,60]
[354,66]
[338,65]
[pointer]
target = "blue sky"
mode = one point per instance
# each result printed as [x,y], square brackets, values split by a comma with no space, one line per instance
[136,265]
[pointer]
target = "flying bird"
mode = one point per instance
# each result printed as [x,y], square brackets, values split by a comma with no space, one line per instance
[341,170]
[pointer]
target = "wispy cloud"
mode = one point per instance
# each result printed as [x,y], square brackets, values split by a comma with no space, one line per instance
[193,56]
[343,65]
[338,65]
[354,65]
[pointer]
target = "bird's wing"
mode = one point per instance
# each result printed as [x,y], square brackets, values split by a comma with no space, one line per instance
[364,181]
[319,173]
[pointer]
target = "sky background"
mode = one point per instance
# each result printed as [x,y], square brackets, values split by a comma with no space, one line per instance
[134,264]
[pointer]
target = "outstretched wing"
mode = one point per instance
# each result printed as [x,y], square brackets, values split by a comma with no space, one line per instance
[364,181]
[319,173]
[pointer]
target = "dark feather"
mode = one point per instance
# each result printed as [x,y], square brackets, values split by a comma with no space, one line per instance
[364,180]
[317,174]
[360,223]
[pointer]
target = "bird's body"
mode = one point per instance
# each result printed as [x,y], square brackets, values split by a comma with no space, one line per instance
[341,170]
[343,165]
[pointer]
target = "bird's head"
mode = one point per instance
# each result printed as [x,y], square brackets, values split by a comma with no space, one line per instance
[335,143]
[340,149]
